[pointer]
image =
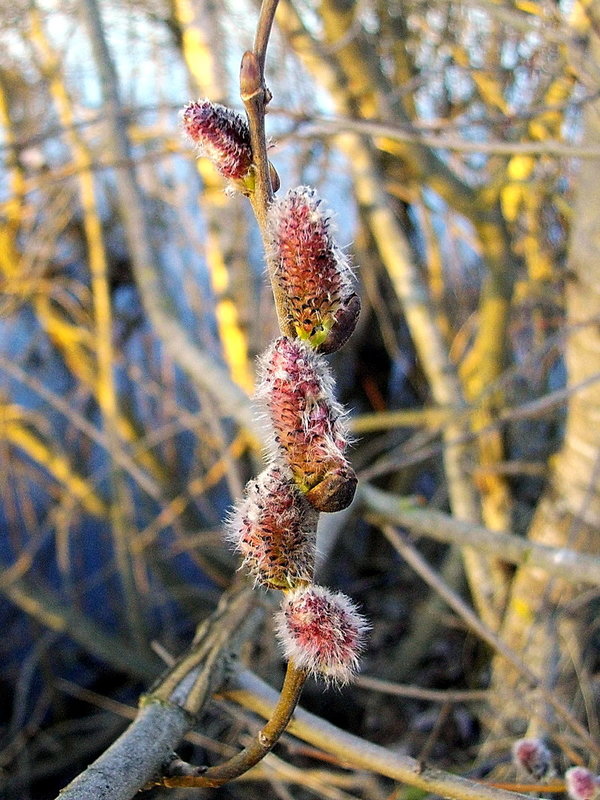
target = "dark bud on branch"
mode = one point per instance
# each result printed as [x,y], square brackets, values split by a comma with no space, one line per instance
[250,77]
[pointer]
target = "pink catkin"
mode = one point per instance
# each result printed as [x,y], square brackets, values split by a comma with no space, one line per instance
[297,390]
[582,784]
[532,756]
[221,135]
[274,528]
[312,272]
[322,632]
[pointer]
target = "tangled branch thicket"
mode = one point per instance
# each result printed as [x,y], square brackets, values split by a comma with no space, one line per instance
[457,498]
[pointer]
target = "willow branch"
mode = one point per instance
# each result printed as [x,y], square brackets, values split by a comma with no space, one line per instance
[251,693]
[263,31]
[258,748]
[568,564]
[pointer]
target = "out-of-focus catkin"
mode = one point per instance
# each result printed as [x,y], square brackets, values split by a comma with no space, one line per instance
[582,784]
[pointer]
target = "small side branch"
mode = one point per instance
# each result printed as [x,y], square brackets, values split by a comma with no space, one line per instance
[171,707]
[264,742]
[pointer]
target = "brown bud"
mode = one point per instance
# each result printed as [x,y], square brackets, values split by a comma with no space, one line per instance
[250,78]
[336,491]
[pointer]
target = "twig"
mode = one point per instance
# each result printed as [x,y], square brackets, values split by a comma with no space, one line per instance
[401,544]
[256,97]
[265,740]
[263,31]
[420,693]
[334,127]
[569,564]
[48,609]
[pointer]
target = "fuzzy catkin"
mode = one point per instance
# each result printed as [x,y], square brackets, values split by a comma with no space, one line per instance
[221,134]
[275,528]
[312,273]
[308,423]
[322,632]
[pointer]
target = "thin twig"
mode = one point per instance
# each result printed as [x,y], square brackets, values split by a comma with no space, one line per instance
[569,564]
[420,693]
[320,127]
[263,31]
[256,97]
[260,745]
[404,547]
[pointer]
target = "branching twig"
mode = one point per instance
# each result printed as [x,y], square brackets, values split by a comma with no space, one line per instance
[404,547]
[265,740]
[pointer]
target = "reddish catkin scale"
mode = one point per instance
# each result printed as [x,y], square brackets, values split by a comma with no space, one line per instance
[222,135]
[311,271]
[321,632]
[274,528]
[297,390]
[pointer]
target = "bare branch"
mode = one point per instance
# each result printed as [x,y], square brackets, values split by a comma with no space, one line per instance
[571,565]
[256,696]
